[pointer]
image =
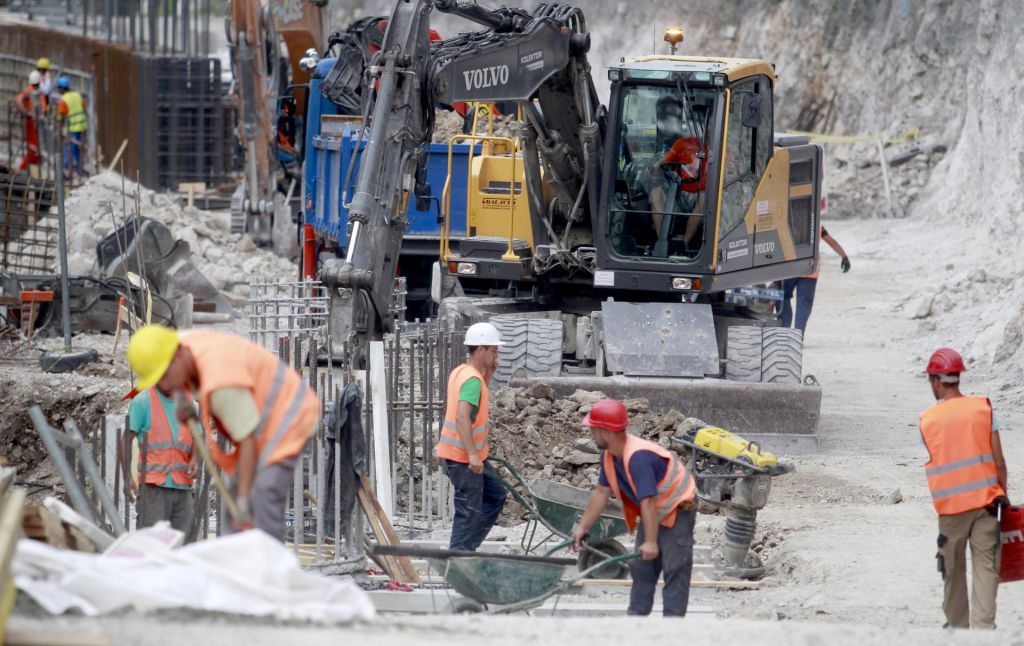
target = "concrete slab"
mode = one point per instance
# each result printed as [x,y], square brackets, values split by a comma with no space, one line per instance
[431,602]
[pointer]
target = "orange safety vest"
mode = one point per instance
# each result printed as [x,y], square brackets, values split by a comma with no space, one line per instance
[676,488]
[288,408]
[450,447]
[164,452]
[962,471]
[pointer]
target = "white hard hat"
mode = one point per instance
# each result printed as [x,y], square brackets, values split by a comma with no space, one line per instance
[482,334]
[34,78]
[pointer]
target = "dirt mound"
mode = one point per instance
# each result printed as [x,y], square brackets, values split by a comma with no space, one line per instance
[227,260]
[543,437]
[86,399]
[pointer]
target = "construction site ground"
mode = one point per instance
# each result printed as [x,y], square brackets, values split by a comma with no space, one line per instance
[853,530]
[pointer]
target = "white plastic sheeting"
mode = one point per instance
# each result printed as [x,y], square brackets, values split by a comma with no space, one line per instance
[248,573]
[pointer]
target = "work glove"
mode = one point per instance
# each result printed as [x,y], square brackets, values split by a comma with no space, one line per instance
[845,264]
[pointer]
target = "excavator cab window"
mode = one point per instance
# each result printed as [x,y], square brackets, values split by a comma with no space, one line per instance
[661,177]
[748,147]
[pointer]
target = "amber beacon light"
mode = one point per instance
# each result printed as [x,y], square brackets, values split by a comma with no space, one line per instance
[674,36]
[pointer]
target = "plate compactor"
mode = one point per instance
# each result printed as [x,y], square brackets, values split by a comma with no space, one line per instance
[733,475]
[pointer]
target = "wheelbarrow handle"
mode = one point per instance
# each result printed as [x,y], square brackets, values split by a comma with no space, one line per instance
[611,561]
[505,463]
[519,498]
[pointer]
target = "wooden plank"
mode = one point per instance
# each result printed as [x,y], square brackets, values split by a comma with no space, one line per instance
[694,583]
[77,540]
[385,534]
[43,525]
[388,563]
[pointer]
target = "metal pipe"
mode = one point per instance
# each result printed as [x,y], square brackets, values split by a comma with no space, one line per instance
[95,479]
[49,436]
[65,286]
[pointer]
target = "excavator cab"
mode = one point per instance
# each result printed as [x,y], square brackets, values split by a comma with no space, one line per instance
[696,188]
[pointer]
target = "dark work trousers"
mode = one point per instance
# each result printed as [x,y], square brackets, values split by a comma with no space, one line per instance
[479,499]
[158,503]
[804,288]
[675,561]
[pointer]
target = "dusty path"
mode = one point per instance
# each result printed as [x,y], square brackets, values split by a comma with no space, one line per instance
[853,567]
[849,554]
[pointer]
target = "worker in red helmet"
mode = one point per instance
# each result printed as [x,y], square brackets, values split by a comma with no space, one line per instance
[655,488]
[967,477]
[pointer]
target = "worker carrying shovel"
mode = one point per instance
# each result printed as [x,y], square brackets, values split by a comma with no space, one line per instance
[261,406]
[654,487]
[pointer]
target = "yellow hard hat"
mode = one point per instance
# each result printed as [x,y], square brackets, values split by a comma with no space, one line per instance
[150,352]
[43,63]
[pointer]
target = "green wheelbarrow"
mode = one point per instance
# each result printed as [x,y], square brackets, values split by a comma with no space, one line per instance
[499,583]
[558,508]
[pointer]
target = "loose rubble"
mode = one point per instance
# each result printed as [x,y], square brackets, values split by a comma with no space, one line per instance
[228,260]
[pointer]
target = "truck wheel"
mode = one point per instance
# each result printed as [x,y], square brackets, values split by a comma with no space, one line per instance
[782,358]
[743,353]
[767,355]
[530,348]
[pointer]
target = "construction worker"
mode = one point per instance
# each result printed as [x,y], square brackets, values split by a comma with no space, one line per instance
[261,406]
[75,121]
[967,477]
[168,464]
[479,497]
[45,81]
[678,171]
[805,286]
[31,102]
[654,487]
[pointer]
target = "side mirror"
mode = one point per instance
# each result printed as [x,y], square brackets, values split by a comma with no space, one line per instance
[752,110]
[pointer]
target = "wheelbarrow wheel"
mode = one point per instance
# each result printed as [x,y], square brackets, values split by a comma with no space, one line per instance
[610,547]
[465,606]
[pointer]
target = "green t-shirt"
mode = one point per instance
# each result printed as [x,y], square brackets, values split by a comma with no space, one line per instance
[139,422]
[470,393]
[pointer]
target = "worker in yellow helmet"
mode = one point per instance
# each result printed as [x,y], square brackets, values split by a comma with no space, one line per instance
[45,81]
[262,407]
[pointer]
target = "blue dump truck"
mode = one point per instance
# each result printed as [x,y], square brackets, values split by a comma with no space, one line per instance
[330,142]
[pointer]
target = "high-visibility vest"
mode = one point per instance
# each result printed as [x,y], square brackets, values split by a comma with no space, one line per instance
[961,471]
[165,453]
[31,99]
[77,120]
[676,488]
[451,447]
[288,408]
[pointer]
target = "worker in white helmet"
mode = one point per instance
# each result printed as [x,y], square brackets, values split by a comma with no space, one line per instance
[479,497]
[32,104]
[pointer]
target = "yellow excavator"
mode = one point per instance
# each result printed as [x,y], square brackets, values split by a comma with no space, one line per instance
[614,244]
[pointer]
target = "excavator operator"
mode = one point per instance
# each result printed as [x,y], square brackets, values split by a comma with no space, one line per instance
[676,180]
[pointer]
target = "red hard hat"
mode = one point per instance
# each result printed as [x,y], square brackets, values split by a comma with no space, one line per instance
[607,414]
[945,361]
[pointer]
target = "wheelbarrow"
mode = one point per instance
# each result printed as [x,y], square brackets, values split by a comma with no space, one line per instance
[559,507]
[499,583]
